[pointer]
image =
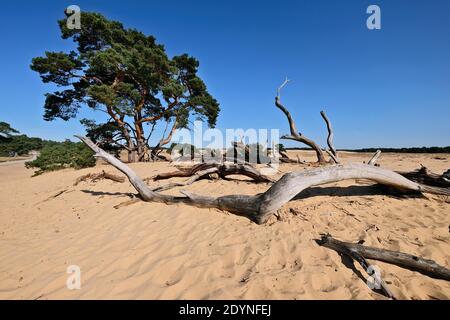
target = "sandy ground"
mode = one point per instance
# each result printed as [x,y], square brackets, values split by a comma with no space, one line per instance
[157,251]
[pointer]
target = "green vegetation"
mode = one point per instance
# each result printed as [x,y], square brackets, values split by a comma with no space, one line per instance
[53,155]
[6,131]
[61,155]
[11,143]
[19,145]
[127,75]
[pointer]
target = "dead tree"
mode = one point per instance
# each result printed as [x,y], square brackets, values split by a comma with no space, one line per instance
[94,177]
[345,249]
[404,260]
[425,176]
[221,169]
[331,150]
[422,175]
[278,152]
[295,135]
[260,207]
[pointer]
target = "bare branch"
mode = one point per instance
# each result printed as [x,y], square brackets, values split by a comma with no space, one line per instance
[295,135]
[374,159]
[404,260]
[330,137]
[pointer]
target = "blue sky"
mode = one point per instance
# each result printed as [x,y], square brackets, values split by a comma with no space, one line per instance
[388,87]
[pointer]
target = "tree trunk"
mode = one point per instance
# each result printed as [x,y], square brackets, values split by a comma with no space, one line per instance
[260,207]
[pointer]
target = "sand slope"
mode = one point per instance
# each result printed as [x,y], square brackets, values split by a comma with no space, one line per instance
[156,251]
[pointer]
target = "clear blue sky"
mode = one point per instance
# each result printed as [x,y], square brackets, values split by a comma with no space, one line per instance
[388,87]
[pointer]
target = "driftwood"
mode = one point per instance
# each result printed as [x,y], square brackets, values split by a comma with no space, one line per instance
[284,158]
[404,260]
[127,203]
[93,177]
[424,176]
[295,135]
[332,151]
[197,176]
[260,207]
[348,250]
[221,169]
[374,159]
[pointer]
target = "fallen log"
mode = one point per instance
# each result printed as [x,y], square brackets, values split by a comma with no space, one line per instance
[422,175]
[425,176]
[260,207]
[404,260]
[222,169]
[198,175]
[348,250]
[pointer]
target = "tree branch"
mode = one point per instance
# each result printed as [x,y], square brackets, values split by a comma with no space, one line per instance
[295,135]
[260,207]
[330,137]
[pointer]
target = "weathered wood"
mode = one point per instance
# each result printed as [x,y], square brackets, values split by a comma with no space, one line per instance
[93,177]
[332,156]
[374,159]
[260,207]
[332,152]
[295,135]
[222,169]
[424,176]
[343,248]
[127,203]
[196,176]
[404,260]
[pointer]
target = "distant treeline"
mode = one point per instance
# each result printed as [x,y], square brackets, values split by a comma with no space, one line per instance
[394,150]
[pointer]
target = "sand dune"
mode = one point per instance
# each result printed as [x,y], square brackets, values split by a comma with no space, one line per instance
[157,251]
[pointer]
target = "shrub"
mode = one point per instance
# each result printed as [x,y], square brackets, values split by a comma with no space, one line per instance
[61,155]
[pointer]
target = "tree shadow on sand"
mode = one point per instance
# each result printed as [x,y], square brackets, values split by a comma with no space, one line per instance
[355,191]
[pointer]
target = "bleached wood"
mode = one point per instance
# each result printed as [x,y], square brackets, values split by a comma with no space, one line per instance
[374,159]
[404,260]
[332,152]
[260,207]
[295,135]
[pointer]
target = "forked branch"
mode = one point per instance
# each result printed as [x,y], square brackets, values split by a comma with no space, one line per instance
[295,135]
[332,151]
